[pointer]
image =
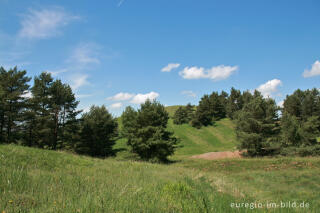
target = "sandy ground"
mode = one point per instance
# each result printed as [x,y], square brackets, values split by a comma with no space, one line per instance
[219,155]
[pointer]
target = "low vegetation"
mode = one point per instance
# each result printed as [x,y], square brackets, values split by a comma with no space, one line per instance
[35,180]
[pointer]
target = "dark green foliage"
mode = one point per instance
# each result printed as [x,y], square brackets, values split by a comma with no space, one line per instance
[14,86]
[183,114]
[301,119]
[290,129]
[257,126]
[98,132]
[52,114]
[234,102]
[203,114]
[146,131]
[210,108]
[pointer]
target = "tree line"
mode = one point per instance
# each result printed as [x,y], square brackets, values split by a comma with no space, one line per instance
[262,127]
[46,116]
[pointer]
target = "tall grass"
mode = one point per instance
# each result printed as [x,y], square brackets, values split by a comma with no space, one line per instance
[33,180]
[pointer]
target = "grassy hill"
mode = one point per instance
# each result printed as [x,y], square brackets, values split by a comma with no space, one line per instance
[35,180]
[219,137]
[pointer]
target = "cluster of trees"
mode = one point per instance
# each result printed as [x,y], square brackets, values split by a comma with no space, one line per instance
[262,127]
[212,107]
[46,116]
[42,116]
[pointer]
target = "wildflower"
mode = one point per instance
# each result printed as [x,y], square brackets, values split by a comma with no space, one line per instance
[10,201]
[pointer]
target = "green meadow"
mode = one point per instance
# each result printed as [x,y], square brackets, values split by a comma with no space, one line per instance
[35,180]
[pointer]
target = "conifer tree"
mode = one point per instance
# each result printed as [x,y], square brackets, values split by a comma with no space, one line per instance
[146,131]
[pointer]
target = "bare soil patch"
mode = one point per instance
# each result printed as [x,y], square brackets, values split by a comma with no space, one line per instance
[219,155]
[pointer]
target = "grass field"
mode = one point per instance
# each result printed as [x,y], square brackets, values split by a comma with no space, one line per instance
[35,180]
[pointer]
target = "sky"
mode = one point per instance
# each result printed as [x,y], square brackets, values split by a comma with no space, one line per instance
[121,52]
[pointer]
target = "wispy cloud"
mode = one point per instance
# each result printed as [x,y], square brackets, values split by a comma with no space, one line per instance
[116,105]
[189,93]
[170,67]
[120,3]
[55,73]
[315,70]
[215,73]
[270,88]
[78,81]
[85,55]
[44,23]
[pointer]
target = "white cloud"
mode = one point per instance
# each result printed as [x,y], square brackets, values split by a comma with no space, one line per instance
[215,73]
[270,88]
[122,96]
[189,93]
[84,55]
[55,73]
[141,98]
[44,23]
[79,81]
[170,67]
[315,70]
[116,105]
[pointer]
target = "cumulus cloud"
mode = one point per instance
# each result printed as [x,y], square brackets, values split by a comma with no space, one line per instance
[189,93]
[170,67]
[122,96]
[141,98]
[215,73]
[134,98]
[116,105]
[270,88]
[45,23]
[315,70]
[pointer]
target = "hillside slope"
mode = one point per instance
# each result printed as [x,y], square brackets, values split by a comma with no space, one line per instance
[35,180]
[218,137]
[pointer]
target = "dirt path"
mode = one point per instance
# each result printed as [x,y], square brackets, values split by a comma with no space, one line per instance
[219,155]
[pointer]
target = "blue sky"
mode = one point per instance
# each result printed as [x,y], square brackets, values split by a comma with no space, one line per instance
[120,52]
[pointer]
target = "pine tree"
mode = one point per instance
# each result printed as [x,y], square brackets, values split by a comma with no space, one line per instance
[235,103]
[203,114]
[146,131]
[14,86]
[99,131]
[257,126]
